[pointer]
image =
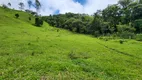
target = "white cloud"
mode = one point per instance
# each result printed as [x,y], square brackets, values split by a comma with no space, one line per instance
[50,6]
[94,5]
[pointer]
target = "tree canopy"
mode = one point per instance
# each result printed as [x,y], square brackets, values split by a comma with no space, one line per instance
[123,17]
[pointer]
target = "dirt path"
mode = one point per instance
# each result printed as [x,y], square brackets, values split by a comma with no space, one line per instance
[120,52]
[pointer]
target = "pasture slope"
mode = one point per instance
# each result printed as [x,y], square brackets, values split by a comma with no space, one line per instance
[48,53]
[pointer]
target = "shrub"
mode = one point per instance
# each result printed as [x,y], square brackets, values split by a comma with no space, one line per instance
[121,41]
[28,11]
[106,38]
[38,22]
[4,6]
[41,22]
[81,55]
[17,15]
[34,13]
[139,37]
[97,34]
[126,32]
[30,19]
[123,28]
[126,35]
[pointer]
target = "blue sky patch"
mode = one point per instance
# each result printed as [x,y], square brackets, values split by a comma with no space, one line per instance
[82,2]
[57,12]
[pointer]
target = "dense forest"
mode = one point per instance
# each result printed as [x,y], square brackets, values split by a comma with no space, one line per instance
[123,20]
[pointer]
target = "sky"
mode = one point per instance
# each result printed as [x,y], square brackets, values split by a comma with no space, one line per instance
[63,6]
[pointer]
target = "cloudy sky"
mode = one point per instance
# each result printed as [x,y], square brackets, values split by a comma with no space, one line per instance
[63,6]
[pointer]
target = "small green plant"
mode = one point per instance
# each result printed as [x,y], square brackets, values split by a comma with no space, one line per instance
[81,55]
[29,43]
[73,56]
[33,53]
[30,18]
[121,41]
[17,15]
[58,30]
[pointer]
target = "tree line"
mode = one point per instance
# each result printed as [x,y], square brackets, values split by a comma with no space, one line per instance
[123,19]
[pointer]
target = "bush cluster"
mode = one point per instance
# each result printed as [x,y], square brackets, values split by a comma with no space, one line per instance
[38,22]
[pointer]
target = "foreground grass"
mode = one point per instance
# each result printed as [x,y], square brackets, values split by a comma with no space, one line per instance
[31,53]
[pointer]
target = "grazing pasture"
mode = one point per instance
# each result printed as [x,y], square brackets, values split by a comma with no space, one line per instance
[28,52]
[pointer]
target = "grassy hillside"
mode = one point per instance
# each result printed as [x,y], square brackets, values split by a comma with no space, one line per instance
[39,53]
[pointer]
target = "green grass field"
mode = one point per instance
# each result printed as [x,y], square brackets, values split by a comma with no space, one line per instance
[44,53]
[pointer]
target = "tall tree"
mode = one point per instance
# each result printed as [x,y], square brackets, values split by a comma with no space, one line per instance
[112,14]
[96,24]
[140,1]
[125,3]
[21,4]
[9,4]
[30,3]
[137,12]
[38,5]
[126,11]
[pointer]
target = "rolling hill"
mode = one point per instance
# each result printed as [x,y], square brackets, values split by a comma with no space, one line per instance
[39,53]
